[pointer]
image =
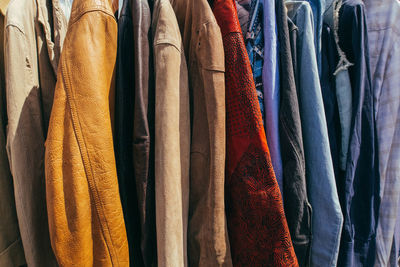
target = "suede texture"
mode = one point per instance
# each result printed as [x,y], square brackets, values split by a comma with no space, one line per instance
[208,243]
[11,250]
[34,35]
[172,139]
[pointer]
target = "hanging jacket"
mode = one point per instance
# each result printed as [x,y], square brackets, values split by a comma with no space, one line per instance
[143,128]
[208,243]
[297,207]
[11,250]
[329,56]
[134,116]
[343,89]
[172,144]
[327,218]
[258,231]
[123,135]
[359,187]
[34,36]
[85,215]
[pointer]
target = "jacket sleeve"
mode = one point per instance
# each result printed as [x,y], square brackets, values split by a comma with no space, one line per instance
[208,236]
[85,214]
[172,150]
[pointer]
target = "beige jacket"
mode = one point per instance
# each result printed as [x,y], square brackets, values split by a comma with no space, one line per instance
[85,215]
[32,51]
[208,243]
[11,250]
[172,137]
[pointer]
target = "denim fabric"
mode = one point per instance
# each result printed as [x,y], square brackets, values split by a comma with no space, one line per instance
[318,8]
[344,98]
[338,77]
[66,6]
[328,86]
[327,217]
[297,208]
[342,80]
[359,188]
[382,19]
[255,48]
[270,78]
[293,33]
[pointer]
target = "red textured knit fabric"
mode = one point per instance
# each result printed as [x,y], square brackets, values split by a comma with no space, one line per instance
[258,231]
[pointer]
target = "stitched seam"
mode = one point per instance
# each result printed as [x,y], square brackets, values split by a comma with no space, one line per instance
[166,42]
[95,8]
[86,163]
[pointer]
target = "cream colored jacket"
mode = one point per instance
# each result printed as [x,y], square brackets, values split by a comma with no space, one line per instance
[32,51]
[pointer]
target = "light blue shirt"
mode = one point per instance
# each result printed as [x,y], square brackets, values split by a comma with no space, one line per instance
[270,78]
[66,6]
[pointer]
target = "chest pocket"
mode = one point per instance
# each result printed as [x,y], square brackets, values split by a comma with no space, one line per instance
[210,47]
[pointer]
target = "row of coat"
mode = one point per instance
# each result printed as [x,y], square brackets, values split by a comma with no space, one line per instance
[200,133]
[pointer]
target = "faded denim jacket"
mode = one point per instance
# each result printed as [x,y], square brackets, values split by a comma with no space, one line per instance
[327,218]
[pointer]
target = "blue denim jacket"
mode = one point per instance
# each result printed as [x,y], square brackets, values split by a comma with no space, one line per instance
[318,8]
[342,83]
[327,217]
[359,188]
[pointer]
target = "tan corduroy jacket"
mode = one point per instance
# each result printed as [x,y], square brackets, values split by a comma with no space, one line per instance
[172,137]
[85,214]
[32,51]
[208,243]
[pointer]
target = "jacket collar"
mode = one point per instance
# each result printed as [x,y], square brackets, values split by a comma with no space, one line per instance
[226,15]
[80,7]
[58,30]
